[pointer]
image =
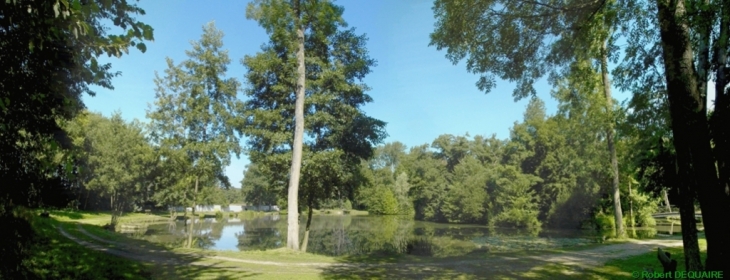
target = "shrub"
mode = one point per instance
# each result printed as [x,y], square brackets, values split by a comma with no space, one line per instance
[604,221]
[218,215]
[646,220]
[519,218]
[348,205]
[383,202]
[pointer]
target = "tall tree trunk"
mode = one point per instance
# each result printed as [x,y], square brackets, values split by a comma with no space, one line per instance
[195,194]
[114,209]
[618,214]
[691,134]
[721,114]
[689,230]
[685,199]
[292,241]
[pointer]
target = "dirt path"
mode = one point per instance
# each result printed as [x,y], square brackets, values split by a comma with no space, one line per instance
[600,255]
[588,258]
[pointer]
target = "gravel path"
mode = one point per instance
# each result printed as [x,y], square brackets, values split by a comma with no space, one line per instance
[588,258]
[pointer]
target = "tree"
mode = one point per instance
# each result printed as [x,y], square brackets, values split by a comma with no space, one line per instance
[389,155]
[515,202]
[429,184]
[523,41]
[116,160]
[196,113]
[400,190]
[341,134]
[49,52]
[255,187]
[691,41]
[467,199]
[686,74]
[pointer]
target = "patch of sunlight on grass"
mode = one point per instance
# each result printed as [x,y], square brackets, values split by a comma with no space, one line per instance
[283,255]
[613,269]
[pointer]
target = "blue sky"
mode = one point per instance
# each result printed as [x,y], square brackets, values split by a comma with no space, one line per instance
[416,90]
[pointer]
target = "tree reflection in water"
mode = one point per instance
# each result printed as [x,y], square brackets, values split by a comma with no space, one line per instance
[339,235]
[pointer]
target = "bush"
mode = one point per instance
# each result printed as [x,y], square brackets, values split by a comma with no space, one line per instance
[604,221]
[348,205]
[218,215]
[383,202]
[646,220]
[518,218]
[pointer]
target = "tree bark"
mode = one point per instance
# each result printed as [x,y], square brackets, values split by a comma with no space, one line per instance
[114,210]
[618,214]
[689,232]
[691,134]
[292,241]
[195,194]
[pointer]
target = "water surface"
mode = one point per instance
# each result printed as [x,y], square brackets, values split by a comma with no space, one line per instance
[337,235]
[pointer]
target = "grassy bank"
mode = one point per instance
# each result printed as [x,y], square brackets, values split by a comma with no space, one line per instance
[53,256]
[616,268]
[56,257]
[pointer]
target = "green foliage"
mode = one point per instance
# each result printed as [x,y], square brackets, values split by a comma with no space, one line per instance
[382,201]
[401,187]
[516,41]
[49,52]
[604,221]
[428,179]
[644,206]
[340,134]
[348,205]
[195,117]
[256,189]
[213,195]
[467,200]
[115,159]
[515,202]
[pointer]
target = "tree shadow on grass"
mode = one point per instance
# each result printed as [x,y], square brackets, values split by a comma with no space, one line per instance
[471,266]
[73,215]
[54,256]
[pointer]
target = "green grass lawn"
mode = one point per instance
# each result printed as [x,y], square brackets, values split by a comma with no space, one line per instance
[52,256]
[55,257]
[615,269]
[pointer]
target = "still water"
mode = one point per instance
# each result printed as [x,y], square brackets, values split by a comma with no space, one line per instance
[337,235]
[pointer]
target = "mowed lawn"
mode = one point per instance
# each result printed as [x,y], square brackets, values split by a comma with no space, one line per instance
[56,257]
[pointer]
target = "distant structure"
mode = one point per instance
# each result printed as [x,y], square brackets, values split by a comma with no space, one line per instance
[232,208]
[266,208]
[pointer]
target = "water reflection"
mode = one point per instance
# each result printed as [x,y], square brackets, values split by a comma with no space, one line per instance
[358,235]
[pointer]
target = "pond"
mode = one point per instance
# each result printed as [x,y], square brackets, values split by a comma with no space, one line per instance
[337,235]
